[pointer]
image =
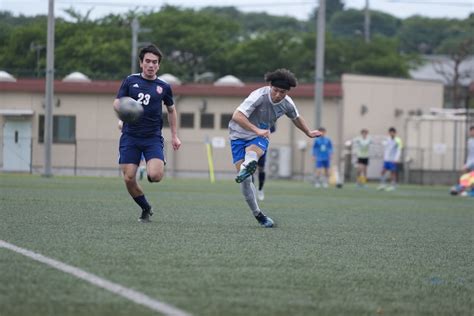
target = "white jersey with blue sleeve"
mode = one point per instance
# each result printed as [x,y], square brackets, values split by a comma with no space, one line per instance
[261,112]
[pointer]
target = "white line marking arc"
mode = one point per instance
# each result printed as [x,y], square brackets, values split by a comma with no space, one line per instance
[118,289]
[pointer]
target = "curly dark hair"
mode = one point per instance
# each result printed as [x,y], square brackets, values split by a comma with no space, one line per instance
[282,78]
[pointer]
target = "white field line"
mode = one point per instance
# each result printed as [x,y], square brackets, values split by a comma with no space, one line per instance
[118,289]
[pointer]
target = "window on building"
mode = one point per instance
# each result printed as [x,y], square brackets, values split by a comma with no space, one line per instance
[186,120]
[207,120]
[225,119]
[64,129]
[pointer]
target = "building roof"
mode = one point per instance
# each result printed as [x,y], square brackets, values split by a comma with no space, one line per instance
[331,90]
[229,80]
[169,78]
[5,76]
[76,77]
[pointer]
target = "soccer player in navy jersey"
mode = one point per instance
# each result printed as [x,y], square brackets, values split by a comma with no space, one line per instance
[144,136]
[249,131]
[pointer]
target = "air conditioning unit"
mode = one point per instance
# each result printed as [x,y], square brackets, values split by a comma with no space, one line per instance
[279,162]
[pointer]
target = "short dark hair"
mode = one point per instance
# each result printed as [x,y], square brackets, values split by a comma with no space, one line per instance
[321,129]
[281,78]
[471,128]
[150,49]
[392,130]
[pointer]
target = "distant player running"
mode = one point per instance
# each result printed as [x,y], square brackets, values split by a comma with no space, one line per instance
[144,137]
[249,131]
[392,154]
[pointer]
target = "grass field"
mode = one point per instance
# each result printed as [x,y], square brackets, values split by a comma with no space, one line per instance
[334,252]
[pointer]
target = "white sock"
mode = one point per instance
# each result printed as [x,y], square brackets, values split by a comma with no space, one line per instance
[249,156]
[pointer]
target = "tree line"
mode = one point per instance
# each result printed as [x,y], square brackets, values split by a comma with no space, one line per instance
[224,40]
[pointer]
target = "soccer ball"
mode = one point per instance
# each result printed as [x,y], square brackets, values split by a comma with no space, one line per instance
[129,110]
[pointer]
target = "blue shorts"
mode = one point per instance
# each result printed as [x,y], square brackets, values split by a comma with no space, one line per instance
[238,146]
[390,166]
[323,164]
[131,149]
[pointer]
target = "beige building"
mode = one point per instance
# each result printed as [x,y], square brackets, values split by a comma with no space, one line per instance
[86,134]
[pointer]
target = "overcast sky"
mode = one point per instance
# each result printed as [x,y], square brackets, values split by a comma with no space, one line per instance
[300,9]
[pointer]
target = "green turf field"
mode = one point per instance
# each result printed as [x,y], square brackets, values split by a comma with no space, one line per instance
[335,252]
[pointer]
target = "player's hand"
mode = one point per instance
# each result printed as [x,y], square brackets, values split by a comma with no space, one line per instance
[175,142]
[314,133]
[263,133]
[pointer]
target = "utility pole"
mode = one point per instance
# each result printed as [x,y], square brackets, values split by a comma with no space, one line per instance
[367,22]
[49,92]
[135,30]
[319,71]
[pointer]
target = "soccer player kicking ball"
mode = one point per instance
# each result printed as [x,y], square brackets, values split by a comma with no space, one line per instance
[249,131]
[144,136]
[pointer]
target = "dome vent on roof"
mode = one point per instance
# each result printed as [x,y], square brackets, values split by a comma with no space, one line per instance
[76,77]
[5,76]
[170,79]
[229,80]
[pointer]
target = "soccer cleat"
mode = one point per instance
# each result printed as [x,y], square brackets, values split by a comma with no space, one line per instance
[264,220]
[260,195]
[381,187]
[145,217]
[247,171]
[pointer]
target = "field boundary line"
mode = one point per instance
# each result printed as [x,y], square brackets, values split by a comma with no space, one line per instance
[118,289]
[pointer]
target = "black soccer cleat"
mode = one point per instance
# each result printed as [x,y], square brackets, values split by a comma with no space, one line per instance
[264,220]
[145,217]
[247,171]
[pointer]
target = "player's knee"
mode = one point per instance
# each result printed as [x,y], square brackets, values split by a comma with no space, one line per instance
[155,177]
[129,179]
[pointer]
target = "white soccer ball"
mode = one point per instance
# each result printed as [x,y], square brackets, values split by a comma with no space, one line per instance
[129,110]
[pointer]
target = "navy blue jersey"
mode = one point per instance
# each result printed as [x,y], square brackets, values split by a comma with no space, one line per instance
[151,94]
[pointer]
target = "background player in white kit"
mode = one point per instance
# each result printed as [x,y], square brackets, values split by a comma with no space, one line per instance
[391,156]
[249,131]
[361,146]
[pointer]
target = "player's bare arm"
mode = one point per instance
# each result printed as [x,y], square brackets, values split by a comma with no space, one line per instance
[172,119]
[243,121]
[301,124]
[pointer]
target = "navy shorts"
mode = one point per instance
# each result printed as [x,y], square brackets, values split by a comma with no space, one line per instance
[238,146]
[132,148]
[363,161]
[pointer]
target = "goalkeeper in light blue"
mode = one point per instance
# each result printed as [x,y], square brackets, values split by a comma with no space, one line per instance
[249,131]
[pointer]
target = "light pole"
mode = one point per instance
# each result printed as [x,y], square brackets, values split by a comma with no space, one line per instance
[135,30]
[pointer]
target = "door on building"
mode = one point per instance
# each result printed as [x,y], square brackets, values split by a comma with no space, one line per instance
[17,145]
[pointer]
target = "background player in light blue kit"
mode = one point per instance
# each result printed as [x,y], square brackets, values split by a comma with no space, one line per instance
[322,152]
[249,131]
[144,136]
